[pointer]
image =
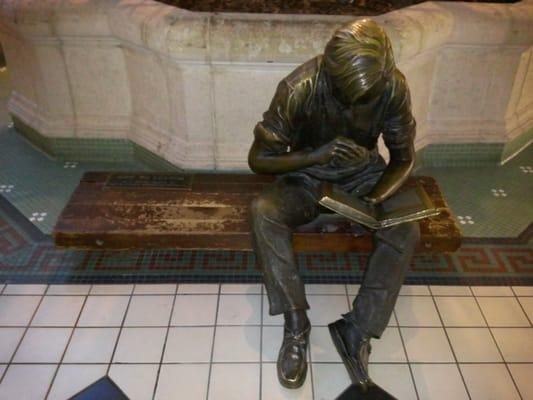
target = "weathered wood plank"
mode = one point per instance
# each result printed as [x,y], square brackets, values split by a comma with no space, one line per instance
[155,212]
[211,214]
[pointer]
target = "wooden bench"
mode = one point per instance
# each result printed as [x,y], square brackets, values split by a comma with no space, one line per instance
[209,211]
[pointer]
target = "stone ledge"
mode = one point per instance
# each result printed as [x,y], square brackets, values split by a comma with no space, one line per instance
[187,86]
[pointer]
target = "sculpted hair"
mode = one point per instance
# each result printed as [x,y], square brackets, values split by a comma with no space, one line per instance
[357,56]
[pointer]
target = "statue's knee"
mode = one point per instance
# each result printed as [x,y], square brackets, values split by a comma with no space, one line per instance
[262,206]
[401,237]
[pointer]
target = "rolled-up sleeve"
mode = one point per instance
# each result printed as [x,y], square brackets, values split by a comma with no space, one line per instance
[279,121]
[399,127]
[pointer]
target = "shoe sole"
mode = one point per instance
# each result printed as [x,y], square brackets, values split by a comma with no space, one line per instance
[346,359]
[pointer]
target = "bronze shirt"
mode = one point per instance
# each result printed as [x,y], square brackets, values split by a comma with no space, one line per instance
[304,114]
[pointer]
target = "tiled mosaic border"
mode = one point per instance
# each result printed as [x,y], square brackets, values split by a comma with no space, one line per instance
[479,262]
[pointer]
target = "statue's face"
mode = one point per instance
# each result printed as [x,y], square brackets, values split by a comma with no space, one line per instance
[344,93]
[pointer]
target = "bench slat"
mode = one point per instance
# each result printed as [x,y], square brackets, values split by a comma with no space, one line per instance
[211,214]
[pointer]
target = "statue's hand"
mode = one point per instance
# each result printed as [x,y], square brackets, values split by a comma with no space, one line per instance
[340,150]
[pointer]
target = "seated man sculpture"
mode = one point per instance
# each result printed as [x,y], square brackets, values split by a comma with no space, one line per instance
[323,126]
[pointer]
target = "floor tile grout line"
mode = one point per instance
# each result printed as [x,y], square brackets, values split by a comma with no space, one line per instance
[310,368]
[274,362]
[164,344]
[65,350]
[499,350]
[524,311]
[121,328]
[213,344]
[251,326]
[261,348]
[450,343]
[224,294]
[21,339]
[348,298]
[411,373]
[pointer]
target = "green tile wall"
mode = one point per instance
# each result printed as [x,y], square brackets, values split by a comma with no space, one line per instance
[460,154]
[94,150]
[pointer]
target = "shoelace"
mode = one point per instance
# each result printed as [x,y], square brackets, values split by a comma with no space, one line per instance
[299,338]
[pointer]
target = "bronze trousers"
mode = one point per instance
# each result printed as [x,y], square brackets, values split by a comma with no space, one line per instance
[292,201]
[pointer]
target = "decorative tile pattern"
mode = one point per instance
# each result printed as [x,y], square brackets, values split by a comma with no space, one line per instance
[498,193]
[38,216]
[26,254]
[70,164]
[467,219]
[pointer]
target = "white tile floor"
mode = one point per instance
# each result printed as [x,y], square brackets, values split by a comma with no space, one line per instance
[218,342]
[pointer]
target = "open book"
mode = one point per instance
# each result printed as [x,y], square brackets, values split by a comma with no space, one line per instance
[408,204]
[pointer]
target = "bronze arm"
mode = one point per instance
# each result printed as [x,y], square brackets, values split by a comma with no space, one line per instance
[398,170]
[263,162]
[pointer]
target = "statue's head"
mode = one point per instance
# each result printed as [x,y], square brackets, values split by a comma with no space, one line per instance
[359,60]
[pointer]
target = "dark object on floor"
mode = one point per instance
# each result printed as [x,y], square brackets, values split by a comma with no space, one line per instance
[213,214]
[103,389]
[374,392]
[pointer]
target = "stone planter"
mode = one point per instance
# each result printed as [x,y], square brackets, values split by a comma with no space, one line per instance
[190,86]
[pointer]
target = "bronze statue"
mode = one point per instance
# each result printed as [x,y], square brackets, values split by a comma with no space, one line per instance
[322,126]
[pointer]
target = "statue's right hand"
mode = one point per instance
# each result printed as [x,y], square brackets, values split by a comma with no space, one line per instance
[339,148]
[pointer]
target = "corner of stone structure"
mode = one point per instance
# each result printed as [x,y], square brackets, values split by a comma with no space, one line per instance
[152,160]
[516,145]
[93,149]
[33,136]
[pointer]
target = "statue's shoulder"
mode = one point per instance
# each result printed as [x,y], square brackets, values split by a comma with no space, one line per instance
[399,83]
[305,76]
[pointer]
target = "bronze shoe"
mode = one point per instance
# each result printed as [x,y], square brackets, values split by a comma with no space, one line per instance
[292,359]
[354,349]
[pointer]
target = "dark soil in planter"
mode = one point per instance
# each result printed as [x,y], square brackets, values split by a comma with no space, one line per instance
[336,7]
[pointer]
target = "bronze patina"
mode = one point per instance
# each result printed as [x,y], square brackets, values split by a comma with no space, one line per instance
[323,125]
